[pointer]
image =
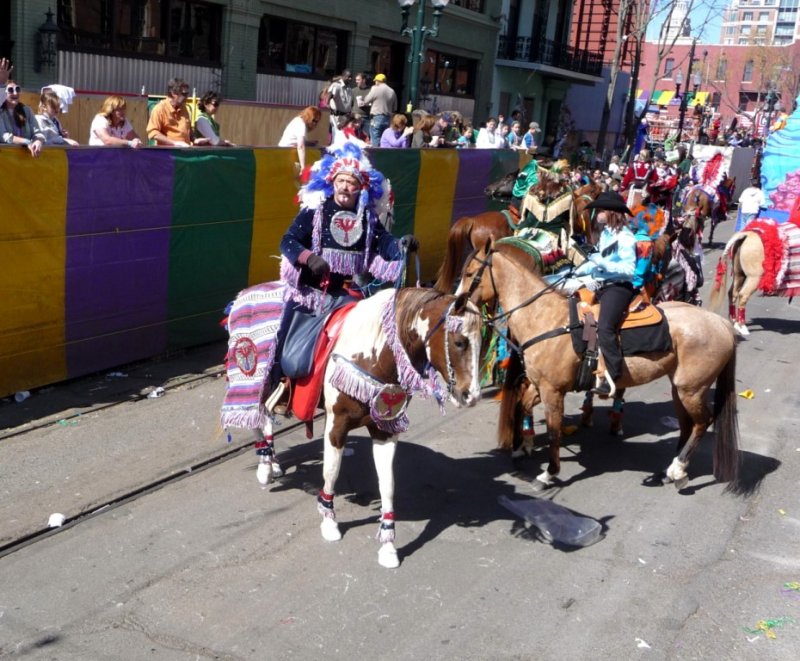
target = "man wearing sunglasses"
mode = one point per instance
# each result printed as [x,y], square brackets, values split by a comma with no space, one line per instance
[170,124]
[18,126]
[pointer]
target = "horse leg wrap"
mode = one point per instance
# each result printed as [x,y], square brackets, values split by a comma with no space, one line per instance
[268,466]
[329,528]
[732,312]
[740,316]
[386,531]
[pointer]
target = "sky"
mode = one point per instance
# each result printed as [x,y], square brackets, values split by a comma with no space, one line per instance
[699,17]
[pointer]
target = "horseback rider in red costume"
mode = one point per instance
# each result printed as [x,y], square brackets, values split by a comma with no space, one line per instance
[638,177]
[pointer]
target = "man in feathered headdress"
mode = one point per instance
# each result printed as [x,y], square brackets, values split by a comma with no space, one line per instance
[338,233]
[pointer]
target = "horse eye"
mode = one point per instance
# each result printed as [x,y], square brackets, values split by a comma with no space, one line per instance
[461,343]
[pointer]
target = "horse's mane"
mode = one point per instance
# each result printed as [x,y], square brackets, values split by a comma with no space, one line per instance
[592,188]
[520,257]
[410,301]
[549,188]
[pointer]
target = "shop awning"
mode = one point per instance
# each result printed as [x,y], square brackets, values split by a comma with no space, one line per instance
[642,94]
[662,97]
[699,99]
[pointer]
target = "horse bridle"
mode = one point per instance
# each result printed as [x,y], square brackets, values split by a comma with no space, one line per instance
[493,320]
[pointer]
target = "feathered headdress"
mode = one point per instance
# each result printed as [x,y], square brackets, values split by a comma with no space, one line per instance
[712,172]
[346,159]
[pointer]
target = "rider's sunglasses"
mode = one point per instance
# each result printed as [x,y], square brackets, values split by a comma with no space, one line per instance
[11,89]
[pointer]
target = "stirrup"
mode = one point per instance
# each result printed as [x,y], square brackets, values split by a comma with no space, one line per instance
[274,397]
[609,380]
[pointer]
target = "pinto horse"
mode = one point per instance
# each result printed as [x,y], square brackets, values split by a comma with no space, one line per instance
[703,352]
[391,346]
[471,232]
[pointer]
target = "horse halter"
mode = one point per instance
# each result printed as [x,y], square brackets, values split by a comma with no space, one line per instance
[452,324]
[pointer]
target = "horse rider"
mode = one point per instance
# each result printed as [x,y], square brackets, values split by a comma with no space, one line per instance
[338,235]
[638,177]
[663,187]
[619,273]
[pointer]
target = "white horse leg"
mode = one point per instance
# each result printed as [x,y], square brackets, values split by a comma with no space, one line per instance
[268,466]
[331,463]
[383,455]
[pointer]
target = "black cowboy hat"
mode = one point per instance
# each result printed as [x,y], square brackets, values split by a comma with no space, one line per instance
[610,201]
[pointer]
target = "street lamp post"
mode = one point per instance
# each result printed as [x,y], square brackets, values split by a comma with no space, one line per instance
[685,97]
[418,34]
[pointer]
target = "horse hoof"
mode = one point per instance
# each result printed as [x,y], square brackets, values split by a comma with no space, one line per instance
[277,471]
[741,329]
[616,431]
[538,486]
[387,557]
[330,530]
[264,474]
[682,482]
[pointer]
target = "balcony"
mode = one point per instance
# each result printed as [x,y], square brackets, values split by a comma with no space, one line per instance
[551,53]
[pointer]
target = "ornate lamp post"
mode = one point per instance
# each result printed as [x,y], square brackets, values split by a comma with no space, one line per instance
[46,43]
[418,34]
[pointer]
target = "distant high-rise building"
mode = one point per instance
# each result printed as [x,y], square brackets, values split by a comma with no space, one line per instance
[679,25]
[760,22]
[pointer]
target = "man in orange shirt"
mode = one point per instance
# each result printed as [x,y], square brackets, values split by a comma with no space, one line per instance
[170,124]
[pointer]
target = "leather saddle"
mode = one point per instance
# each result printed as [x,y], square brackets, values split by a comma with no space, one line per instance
[641,312]
[301,396]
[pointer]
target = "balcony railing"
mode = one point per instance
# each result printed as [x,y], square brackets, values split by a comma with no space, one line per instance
[553,53]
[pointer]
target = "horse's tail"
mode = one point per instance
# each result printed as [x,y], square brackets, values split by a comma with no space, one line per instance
[459,233]
[723,266]
[509,405]
[726,425]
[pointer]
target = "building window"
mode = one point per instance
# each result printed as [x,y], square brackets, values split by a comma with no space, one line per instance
[669,65]
[300,48]
[179,29]
[747,74]
[449,74]
[722,69]
[747,16]
[472,5]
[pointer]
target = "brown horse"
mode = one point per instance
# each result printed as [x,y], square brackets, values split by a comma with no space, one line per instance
[471,232]
[704,351]
[699,203]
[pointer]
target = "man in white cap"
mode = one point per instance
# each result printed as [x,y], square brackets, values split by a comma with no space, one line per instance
[384,104]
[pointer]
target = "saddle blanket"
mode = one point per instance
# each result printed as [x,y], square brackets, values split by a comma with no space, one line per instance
[253,326]
[781,256]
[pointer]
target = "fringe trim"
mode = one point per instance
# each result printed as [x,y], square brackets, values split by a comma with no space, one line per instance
[344,261]
[250,419]
[389,271]
[454,324]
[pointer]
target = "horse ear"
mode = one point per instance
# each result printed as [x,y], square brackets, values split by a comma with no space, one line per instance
[461,303]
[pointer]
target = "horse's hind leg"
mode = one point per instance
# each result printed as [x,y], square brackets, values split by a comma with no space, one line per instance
[741,293]
[383,455]
[694,417]
[268,466]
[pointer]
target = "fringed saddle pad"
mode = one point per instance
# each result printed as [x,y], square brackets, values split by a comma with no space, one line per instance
[542,246]
[781,256]
[252,327]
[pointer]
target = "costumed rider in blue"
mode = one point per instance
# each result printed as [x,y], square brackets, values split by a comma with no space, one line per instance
[617,276]
[338,235]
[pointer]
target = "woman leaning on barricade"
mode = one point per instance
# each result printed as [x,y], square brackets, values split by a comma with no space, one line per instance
[47,118]
[206,127]
[17,124]
[111,128]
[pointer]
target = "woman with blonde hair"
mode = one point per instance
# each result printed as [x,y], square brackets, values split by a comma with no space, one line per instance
[294,135]
[111,128]
[47,118]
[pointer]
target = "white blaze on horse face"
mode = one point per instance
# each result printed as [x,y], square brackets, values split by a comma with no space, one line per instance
[472,330]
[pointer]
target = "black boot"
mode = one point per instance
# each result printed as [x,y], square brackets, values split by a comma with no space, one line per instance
[603,389]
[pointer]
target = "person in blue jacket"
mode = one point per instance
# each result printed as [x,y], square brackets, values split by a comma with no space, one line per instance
[617,277]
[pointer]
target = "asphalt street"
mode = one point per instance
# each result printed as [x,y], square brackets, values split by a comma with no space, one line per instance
[171,549]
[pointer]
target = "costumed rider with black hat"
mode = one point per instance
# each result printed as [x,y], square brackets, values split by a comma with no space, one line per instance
[617,275]
[338,234]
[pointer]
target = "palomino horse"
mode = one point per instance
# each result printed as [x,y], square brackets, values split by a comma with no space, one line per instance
[471,232]
[699,202]
[391,346]
[703,351]
[765,256]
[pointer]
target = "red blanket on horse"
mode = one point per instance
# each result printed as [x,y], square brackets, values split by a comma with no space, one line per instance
[781,256]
